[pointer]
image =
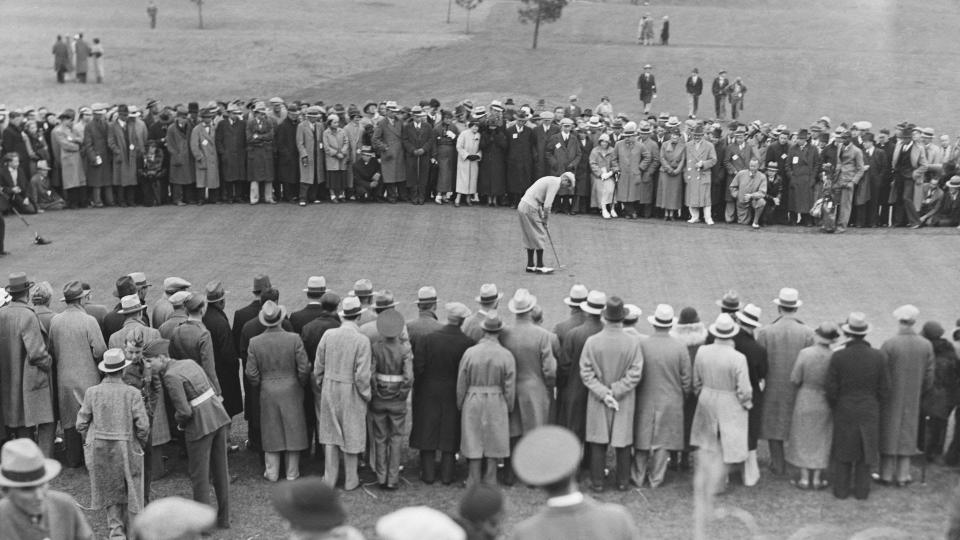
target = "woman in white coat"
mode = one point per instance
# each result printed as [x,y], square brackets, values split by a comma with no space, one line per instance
[468,163]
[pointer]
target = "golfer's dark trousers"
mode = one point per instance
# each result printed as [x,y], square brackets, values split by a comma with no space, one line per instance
[845,473]
[598,459]
[73,446]
[206,457]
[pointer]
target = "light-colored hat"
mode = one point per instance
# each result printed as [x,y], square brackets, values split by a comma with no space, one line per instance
[139,279]
[492,323]
[391,106]
[629,129]
[906,313]
[546,115]
[174,284]
[418,523]
[426,295]
[417,110]
[214,291]
[647,66]
[363,288]
[496,105]
[633,313]
[724,327]
[566,122]
[488,293]
[749,316]
[22,465]
[954,182]
[578,295]
[173,518]
[522,301]
[546,455]
[42,165]
[788,298]
[73,290]
[663,317]
[130,304]
[456,310]
[594,303]
[271,314]
[314,111]
[234,108]
[333,119]
[478,112]
[350,307]
[594,122]
[856,324]
[113,360]
[178,298]
[316,284]
[276,101]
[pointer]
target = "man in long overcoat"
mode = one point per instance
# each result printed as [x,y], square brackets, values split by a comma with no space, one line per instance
[909,363]
[647,87]
[648,182]
[182,169]
[388,142]
[666,380]
[803,169]
[126,148]
[260,154]
[99,162]
[287,180]
[66,142]
[224,349]
[419,146]
[26,390]
[563,155]
[436,418]
[630,159]
[738,158]
[877,172]
[203,147]
[521,157]
[232,152]
[571,392]
[310,148]
[83,51]
[857,385]
[541,137]
[76,345]
[577,296]
[701,157]
[341,372]
[611,366]
[536,369]
[61,60]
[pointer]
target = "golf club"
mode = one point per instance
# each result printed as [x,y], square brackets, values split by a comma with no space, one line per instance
[37,239]
[552,247]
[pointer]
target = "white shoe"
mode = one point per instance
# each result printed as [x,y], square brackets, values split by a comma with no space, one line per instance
[438,200]
[693,220]
[613,213]
[604,213]
[544,270]
[756,226]
[709,221]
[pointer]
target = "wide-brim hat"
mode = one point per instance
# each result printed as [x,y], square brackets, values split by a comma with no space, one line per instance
[214,291]
[954,182]
[749,316]
[488,293]
[788,298]
[594,303]
[662,317]
[271,314]
[22,465]
[730,302]
[492,323]
[578,295]
[18,282]
[316,284]
[73,290]
[614,310]
[426,295]
[351,307]
[855,325]
[309,504]
[522,302]
[113,360]
[724,327]
[131,304]
[547,455]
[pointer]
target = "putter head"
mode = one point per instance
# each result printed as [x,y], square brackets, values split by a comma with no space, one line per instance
[40,241]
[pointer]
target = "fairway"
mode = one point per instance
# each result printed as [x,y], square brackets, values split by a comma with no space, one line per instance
[402,247]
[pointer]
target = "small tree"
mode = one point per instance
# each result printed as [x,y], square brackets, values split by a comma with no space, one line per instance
[199,4]
[540,11]
[468,5]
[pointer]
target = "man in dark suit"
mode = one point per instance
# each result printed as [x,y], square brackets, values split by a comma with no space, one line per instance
[572,111]
[231,145]
[521,157]
[720,86]
[647,85]
[738,158]
[240,318]
[694,89]
[877,166]
[856,385]
[541,136]
[316,286]
[909,164]
[419,145]
[226,359]
[563,155]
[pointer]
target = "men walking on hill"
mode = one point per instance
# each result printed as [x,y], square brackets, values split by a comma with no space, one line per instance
[694,88]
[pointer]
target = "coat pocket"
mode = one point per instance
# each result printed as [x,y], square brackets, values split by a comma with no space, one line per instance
[34,378]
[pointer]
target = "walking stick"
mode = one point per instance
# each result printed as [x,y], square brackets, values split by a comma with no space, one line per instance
[923,454]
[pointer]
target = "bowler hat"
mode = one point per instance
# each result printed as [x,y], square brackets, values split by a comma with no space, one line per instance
[113,360]
[271,314]
[856,324]
[546,455]
[724,327]
[309,504]
[330,300]
[22,465]
[688,315]
[18,282]
[73,290]
[390,324]
[614,311]
[522,302]
[662,317]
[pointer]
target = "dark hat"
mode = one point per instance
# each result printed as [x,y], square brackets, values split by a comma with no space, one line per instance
[215,291]
[18,282]
[688,315]
[492,323]
[152,103]
[156,348]
[125,287]
[181,111]
[309,504]
[868,136]
[614,310]
[384,300]
[122,108]
[730,302]
[193,107]
[480,503]
[827,331]
[68,113]
[73,291]
[547,455]
[932,330]
[260,282]
[390,323]
[330,300]
[195,301]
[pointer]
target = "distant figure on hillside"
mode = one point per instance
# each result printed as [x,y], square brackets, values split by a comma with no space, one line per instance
[665,31]
[645,30]
[647,86]
[96,52]
[61,58]
[83,51]
[152,13]
[736,92]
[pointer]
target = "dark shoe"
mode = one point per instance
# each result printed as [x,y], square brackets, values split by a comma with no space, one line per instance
[4,253]
[388,487]
[623,487]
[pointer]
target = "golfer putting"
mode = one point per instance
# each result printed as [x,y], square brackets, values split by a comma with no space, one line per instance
[534,210]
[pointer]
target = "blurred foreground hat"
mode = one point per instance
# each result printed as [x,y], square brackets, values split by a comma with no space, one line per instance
[173,518]
[418,523]
[547,455]
[22,465]
[390,323]
[174,284]
[309,504]
[907,313]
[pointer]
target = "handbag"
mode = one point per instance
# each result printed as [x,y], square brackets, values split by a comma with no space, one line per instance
[817,209]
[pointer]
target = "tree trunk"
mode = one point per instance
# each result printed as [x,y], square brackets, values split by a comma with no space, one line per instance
[536,27]
[468,21]
[449,7]
[200,12]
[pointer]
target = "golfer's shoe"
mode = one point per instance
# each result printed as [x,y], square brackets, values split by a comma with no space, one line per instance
[613,213]
[544,270]
[532,269]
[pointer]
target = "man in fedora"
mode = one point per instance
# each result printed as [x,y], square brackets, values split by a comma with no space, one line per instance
[225,356]
[382,301]
[76,345]
[26,385]
[312,509]
[204,421]
[436,418]
[316,287]
[341,378]
[549,458]
[162,309]
[757,367]
[114,424]
[230,139]
[277,364]
[647,87]
[260,152]
[667,380]
[572,395]
[29,508]
[488,300]
[426,321]
[536,370]
[783,339]
[363,290]
[251,310]
[388,142]
[857,385]
[176,317]
[577,295]
[366,174]
[114,320]
[313,331]
[391,367]
[126,148]
[486,394]
[910,367]
[419,146]
[131,310]
[611,366]
[191,339]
